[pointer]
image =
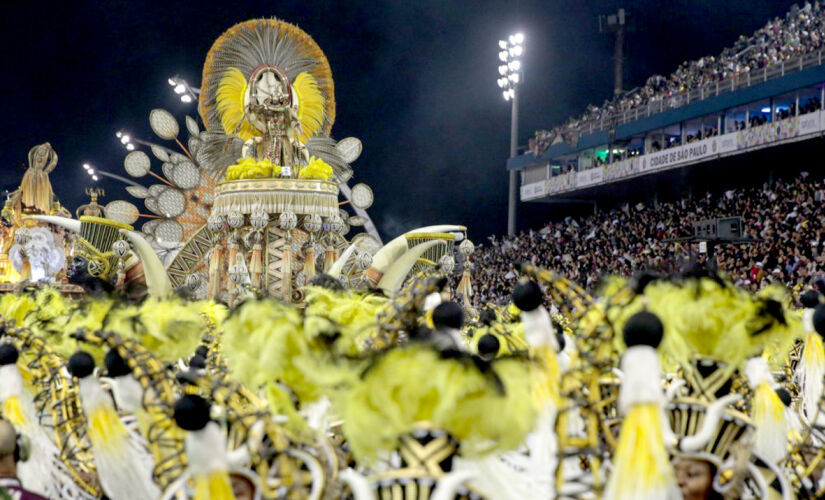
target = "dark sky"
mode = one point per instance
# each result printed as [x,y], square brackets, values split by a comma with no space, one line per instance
[414,79]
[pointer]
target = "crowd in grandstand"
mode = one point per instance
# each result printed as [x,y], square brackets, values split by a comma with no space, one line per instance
[801,31]
[787,220]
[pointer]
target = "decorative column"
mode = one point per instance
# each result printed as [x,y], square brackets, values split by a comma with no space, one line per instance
[259,219]
[287,221]
[235,221]
[215,226]
[312,223]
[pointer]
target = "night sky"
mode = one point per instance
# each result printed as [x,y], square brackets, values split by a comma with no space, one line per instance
[414,80]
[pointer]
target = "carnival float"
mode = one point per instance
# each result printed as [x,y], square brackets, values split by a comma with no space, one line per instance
[241,345]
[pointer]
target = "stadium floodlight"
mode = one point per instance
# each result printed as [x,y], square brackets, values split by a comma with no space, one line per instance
[510,77]
[182,88]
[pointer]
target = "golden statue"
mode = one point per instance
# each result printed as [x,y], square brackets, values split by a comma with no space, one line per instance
[35,195]
[93,208]
[36,190]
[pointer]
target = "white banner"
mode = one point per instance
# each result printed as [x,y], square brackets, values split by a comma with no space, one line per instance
[679,155]
[590,177]
[533,190]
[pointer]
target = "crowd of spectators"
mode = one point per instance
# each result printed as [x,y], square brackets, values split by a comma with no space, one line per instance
[786,220]
[801,31]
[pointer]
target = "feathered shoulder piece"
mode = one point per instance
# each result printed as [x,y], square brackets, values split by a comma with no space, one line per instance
[485,406]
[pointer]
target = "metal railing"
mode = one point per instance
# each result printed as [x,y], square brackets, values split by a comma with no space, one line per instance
[730,84]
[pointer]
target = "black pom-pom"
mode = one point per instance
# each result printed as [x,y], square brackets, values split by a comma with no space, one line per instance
[527,296]
[192,412]
[643,328]
[488,345]
[115,364]
[784,395]
[8,354]
[487,317]
[198,362]
[326,281]
[809,299]
[81,364]
[448,315]
[819,319]
[202,350]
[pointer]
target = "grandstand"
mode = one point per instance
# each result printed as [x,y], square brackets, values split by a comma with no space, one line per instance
[735,135]
[764,92]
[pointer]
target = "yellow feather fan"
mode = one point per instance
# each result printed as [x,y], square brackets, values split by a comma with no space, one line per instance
[311,105]
[230,97]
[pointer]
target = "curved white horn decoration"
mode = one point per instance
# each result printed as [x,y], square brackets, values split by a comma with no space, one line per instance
[394,277]
[157,281]
[338,266]
[448,485]
[359,485]
[705,433]
[393,250]
[65,222]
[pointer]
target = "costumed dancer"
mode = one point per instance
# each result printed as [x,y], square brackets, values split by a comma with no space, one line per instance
[810,372]
[641,465]
[768,414]
[208,466]
[43,473]
[123,465]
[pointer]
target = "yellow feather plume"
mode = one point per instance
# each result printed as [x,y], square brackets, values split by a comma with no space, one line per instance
[230,97]
[311,105]
[411,385]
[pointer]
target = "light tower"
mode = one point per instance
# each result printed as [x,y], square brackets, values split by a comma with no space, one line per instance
[510,77]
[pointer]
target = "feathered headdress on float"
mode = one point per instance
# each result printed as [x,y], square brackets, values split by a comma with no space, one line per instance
[232,66]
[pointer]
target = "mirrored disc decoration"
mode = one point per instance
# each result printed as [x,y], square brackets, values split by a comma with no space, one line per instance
[349,148]
[362,196]
[171,203]
[137,163]
[357,221]
[152,205]
[185,175]
[156,189]
[121,211]
[194,145]
[163,124]
[167,169]
[137,191]
[169,231]
[192,126]
[150,226]
[160,153]
[366,243]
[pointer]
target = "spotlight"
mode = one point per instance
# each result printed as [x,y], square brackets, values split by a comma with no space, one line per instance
[119,134]
[503,55]
[502,44]
[517,51]
[186,98]
[172,82]
[506,95]
[518,38]
[124,139]
[94,177]
[502,70]
[130,147]
[180,88]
